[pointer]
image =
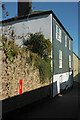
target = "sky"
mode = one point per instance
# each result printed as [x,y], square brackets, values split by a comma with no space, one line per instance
[11,7]
[67,13]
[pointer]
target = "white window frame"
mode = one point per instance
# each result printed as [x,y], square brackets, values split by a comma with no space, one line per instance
[69,61]
[60,59]
[65,40]
[58,33]
[69,44]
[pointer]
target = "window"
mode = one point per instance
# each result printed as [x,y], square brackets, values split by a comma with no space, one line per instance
[69,44]
[58,33]
[69,61]
[65,41]
[60,59]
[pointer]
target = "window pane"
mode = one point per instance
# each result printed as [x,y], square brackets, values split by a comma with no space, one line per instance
[69,61]
[60,59]
[65,41]
[60,63]
[69,44]
[57,29]
[57,36]
[58,33]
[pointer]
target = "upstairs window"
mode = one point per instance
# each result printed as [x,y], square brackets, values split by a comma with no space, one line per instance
[65,41]
[60,59]
[69,61]
[58,33]
[69,44]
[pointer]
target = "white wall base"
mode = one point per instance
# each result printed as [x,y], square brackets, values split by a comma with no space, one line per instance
[62,81]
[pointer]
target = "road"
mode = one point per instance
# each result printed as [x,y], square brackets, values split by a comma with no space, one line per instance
[62,106]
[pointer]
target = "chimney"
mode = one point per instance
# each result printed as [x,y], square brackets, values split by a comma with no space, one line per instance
[24,7]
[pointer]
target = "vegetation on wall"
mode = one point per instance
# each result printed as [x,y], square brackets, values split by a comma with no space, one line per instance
[10,49]
[43,66]
[42,47]
[37,50]
[38,44]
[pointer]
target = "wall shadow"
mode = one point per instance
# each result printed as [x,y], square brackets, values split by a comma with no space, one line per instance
[67,84]
[55,89]
[24,99]
[77,84]
[77,78]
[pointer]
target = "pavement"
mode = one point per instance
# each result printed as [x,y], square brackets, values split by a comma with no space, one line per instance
[65,105]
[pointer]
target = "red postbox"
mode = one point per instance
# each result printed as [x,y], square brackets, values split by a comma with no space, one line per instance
[20,87]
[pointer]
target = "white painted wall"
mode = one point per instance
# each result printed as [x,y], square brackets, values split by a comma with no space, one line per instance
[30,25]
[61,81]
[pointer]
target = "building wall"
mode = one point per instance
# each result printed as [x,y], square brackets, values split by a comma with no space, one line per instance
[65,51]
[29,25]
[62,76]
[76,67]
[79,70]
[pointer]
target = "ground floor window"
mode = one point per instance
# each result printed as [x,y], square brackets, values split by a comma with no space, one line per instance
[69,61]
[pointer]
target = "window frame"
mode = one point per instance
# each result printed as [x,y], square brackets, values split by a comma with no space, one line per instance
[58,33]
[70,65]
[65,40]
[69,44]
[60,59]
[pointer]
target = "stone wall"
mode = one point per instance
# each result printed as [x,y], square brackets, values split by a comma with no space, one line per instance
[76,67]
[13,72]
[0,72]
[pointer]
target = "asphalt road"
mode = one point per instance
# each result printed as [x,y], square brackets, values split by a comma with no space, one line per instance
[65,105]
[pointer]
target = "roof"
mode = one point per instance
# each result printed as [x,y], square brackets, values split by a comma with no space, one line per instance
[34,14]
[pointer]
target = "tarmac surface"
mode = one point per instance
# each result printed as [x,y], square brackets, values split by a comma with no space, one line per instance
[65,105]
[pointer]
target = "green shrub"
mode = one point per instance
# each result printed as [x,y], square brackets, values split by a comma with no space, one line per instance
[41,49]
[11,50]
[43,66]
[38,44]
[45,70]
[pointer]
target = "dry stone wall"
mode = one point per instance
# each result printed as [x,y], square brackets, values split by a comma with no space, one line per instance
[0,72]
[13,72]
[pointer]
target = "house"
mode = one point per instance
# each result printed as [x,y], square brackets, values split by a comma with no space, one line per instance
[47,23]
[76,67]
[62,49]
